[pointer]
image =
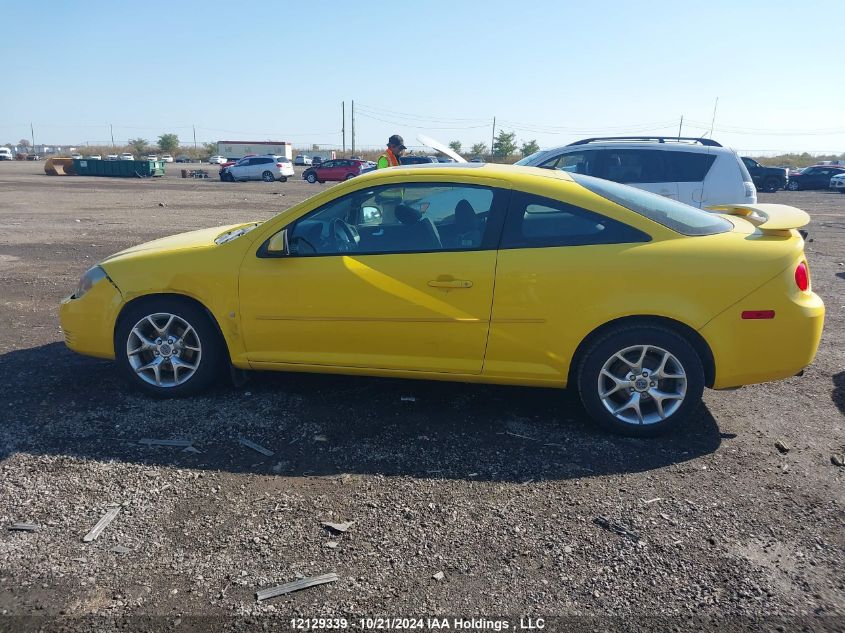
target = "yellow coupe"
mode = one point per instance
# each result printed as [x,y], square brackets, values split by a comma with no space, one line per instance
[476,273]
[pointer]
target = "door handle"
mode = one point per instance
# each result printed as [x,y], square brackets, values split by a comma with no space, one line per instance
[450,283]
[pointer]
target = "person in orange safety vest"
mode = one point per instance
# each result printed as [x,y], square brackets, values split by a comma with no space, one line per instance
[390,158]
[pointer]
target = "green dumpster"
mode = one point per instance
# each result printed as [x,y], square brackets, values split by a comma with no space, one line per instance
[119,168]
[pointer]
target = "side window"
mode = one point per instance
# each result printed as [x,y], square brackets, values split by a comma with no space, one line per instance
[536,222]
[574,162]
[633,166]
[402,219]
[266,161]
[327,163]
[691,166]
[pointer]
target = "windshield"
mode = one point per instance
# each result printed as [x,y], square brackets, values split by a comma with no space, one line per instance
[672,214]
[528,160]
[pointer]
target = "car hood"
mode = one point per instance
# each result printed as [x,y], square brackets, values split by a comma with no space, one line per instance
[203,238]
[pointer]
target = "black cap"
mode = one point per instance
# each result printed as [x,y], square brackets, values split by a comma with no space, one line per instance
[396,140]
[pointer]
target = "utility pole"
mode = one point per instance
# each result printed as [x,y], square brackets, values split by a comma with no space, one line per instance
[343,124]
[353,127]
[713,122]
[111,130]
[493,139]
[680,127]
[195,136]
[32,131]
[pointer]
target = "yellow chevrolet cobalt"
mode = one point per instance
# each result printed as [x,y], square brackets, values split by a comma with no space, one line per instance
[474,273]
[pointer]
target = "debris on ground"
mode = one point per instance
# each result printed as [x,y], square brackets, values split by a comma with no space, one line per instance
[154,442]
[782,446]
[339,528]
[23,527]
[331,544]
[120,549]
[837,460]
[655,500]
[618,528]
[321,438]
[256,447]
[191,449]
[439,576]
[408,399]
[108,517]
[296,585]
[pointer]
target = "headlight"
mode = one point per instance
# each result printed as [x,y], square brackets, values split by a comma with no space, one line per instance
[91,277]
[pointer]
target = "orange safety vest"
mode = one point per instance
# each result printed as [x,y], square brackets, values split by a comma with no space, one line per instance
[390,160]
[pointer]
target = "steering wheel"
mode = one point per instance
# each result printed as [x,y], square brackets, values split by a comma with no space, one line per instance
[345,235]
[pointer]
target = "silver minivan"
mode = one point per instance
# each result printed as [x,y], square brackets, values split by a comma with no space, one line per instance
[699,172]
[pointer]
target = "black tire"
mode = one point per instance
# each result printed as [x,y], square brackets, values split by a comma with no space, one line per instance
[793,185]
[209,363]
[771,185]
[228,177]
[283,179]
[268,176]
[312,178]
[349,176]
[604,349]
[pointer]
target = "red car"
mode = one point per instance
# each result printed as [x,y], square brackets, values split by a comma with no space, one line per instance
[337,169]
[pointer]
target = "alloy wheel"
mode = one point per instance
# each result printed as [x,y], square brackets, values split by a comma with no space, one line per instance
[642,384]
[164,350]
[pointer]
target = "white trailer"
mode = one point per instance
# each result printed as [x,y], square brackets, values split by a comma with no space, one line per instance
[235,150]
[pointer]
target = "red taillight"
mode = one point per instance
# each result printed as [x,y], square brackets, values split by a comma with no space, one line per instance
[758,314]
[802,277]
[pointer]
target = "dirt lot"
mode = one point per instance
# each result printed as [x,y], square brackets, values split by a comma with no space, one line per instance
[495,487]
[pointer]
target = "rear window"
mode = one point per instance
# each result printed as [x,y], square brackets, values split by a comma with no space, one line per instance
[689,166]
[672,214]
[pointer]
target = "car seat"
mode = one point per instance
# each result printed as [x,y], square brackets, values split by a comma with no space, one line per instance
[419,233]
[467,226]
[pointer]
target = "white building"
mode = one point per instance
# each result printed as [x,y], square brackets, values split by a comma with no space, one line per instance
[233,150]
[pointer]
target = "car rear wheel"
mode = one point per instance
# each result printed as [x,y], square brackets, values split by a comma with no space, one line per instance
[771,185]
[268,176]
[793,185]
[312,178]
[168,347]
[350,176]
[283,179]
[640,380]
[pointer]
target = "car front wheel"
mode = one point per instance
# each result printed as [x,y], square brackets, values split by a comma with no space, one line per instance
[793,185]
[168,347]
[268,176]
[640,380]
[312,178]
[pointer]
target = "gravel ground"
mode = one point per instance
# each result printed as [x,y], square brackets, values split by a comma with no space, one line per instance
[495,487]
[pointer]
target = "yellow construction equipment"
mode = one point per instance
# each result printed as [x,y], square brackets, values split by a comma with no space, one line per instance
[59,167]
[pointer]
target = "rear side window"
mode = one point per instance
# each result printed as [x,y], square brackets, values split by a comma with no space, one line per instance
[689,166]
[535,222]
[746,177]
[672,214]
[633,166]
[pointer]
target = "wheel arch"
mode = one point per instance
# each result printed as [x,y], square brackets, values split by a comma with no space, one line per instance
[174,296]
[698,342]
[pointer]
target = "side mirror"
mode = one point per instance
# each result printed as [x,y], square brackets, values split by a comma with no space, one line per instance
[371,215]
[277,246]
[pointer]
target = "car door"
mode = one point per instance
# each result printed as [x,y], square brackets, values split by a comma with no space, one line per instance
[646,169]
[240,170]
[561,269]
[324,170]
[394,297]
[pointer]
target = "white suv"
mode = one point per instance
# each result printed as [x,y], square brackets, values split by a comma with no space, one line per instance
[5,153]
[699,172]
[268,168]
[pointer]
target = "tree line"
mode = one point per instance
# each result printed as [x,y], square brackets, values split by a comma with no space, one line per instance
[504,146]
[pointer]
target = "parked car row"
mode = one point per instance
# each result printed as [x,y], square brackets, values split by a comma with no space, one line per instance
[814,177]
[335,170]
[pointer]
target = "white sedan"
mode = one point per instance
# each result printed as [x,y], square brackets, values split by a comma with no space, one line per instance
[167,158]
[217,160]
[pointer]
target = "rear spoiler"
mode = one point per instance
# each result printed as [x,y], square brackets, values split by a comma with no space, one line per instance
[767,217]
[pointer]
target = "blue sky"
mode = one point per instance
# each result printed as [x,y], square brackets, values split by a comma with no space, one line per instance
[551,71]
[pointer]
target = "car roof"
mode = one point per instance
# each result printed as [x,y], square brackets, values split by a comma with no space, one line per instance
[479,170]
